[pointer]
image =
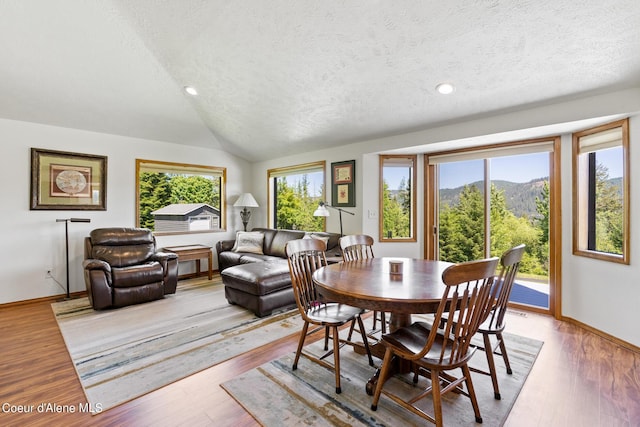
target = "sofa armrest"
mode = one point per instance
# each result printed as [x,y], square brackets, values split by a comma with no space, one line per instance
[224,245]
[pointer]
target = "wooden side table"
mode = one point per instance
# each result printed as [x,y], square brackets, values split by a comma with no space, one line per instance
[194,253]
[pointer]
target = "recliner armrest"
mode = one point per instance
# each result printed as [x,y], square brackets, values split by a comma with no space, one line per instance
[169,263]
[163,257]
[97,277]
[96,264]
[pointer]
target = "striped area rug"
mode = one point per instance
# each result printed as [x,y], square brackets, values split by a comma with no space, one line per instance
[124,353]
[278,396]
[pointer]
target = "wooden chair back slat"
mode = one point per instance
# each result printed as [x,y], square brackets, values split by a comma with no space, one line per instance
[509,265]
[305,257]
[464,306]
[356,246]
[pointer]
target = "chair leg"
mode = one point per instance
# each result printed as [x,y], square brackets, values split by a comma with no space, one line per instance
[488,350]
[351,329]
[303,336]
[336,357]
[384,373]
[503,350]
[472,393]
[365,341]
[326,338]
[379,315]
[437,397]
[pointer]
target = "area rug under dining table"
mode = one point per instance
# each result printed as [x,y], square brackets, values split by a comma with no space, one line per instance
[124,353]
[276,395]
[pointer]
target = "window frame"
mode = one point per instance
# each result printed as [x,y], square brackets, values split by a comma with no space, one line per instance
[183,168]
[319,166]
[580,223]
[412,221]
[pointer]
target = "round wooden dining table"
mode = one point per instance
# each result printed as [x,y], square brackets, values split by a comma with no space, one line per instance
[370,284]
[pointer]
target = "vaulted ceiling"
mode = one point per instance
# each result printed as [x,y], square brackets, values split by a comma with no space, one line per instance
[283,77]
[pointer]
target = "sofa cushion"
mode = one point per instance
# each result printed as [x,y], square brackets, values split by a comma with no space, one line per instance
[248,258]
[137,275]
[249,241]
[280,241]
[228,258]
[121,247]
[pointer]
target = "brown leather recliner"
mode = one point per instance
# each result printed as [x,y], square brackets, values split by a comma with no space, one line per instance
[123,267]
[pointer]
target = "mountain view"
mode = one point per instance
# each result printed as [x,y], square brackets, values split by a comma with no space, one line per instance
[520,197]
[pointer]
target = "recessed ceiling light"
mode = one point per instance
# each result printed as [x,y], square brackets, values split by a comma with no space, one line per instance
[190,90]
[445,88]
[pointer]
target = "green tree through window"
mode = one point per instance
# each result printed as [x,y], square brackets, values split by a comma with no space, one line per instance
[295,194]
[397,198]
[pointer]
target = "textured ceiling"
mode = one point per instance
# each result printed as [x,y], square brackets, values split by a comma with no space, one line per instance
[282,77]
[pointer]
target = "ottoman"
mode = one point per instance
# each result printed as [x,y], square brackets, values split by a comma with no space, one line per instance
[262,287]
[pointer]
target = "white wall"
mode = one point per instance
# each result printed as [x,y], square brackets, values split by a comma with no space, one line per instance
[603,294]
[32,241]
[600,294]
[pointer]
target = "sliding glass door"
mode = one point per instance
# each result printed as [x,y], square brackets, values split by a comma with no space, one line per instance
[488,201]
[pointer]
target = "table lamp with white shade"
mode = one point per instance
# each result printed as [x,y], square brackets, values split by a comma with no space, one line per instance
[246,200]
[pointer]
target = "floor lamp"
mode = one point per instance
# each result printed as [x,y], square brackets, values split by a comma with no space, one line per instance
[323,211]
[66,236]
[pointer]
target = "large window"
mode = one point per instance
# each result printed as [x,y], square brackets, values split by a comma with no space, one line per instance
[294,194]
[397,198]
[601,192]
[179,198]
[483,201]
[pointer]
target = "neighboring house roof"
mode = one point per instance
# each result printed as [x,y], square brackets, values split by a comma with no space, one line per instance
[184,209]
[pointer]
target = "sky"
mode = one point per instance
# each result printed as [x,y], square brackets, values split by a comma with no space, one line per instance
[522,168]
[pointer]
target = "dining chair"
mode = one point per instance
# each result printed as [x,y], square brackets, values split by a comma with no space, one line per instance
[436,351]
[360,246]
[306,256]
[495,322]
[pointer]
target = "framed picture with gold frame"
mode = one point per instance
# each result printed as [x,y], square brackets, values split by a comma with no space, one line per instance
[343,193]
[62,180]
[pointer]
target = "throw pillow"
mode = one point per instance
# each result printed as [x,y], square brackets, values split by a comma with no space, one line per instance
[249,241]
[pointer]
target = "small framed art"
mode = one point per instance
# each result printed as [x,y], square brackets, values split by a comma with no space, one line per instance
[68,181]
[343,188]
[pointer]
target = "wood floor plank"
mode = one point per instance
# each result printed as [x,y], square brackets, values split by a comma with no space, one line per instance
[578,379]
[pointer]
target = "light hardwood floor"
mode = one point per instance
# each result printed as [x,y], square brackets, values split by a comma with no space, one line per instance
[579,379]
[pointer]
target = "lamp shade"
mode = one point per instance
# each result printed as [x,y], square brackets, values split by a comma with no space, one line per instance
[246,200]
[321,211]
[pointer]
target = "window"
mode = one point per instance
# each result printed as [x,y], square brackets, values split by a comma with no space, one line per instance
[601,192]
[179,198]
[397,198]
[481,201]
[294,194]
